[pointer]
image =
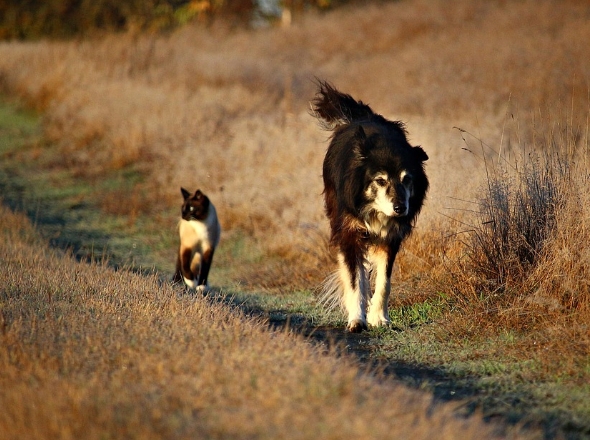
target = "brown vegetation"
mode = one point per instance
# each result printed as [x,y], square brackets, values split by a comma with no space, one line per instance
[523,264]
[226,110]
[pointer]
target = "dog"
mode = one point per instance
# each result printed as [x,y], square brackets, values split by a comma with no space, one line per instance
[199,231]
[374,188]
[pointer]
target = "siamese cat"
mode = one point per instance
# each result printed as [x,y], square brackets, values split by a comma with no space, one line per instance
[199,232]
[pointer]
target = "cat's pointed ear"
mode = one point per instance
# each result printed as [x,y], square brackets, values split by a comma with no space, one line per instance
[185,193]
[198,195]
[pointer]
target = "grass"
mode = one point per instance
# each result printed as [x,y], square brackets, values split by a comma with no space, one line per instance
[500,312]
[69,219]
[91,352]
[518,215]
[417,314]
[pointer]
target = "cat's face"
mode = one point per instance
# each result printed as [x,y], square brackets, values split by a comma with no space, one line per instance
[195,206]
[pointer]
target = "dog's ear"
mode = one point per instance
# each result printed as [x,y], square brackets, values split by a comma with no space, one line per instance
[359,139]
[185,193]
[420,154]
[350,181]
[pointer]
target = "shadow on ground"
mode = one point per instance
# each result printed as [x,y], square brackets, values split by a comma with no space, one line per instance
[505,409]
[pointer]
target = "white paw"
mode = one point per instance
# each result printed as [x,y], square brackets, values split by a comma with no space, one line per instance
[378,321]
[356,326]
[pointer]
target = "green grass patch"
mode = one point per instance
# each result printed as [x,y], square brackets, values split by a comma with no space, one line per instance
[67,209]
[18,127]
[417,314]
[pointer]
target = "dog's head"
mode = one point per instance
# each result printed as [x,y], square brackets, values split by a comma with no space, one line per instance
[390,194]
[195,206]
[394,180]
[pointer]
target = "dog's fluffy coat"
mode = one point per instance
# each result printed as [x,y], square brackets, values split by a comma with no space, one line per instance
[374,188]
[199,232]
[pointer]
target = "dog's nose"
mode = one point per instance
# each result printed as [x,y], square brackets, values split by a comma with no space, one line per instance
[399,209]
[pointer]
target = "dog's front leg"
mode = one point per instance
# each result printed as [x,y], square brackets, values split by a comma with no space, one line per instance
[355,285]
[378,314]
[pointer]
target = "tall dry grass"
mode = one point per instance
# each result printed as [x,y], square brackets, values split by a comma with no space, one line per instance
[518,263]
[87,352]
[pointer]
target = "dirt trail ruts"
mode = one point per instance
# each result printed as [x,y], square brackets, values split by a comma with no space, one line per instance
[360,345]
[445,389]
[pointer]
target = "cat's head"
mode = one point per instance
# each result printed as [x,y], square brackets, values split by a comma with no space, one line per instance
[195,206]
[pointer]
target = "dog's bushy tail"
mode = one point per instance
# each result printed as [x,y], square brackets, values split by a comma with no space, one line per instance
[333,108]
[330,292]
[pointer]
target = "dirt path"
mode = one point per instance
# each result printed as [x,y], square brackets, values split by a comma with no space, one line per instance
[360,345]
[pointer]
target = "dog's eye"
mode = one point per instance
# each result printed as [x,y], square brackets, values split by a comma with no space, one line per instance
[407,180]
[381,181]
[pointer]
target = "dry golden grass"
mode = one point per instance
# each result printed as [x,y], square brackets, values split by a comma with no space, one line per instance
[87,352]
[226,110]
[522,263]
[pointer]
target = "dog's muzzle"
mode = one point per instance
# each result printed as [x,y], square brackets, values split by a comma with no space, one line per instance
[400,209]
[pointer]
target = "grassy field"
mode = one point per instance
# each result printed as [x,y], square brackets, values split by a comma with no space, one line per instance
[90,351]
[491,300]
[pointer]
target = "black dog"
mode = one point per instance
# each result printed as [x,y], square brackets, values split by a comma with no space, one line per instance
[374,187]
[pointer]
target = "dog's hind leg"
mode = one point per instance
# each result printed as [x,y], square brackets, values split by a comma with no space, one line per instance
[378,315]
[355,285]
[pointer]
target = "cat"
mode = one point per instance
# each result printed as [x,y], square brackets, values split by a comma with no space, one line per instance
[199,231]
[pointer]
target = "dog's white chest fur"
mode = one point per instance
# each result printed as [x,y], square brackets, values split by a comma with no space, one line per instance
[379,224]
